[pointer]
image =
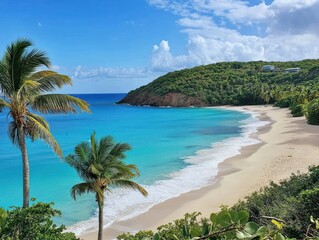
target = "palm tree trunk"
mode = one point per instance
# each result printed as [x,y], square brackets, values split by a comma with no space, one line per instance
[25,169]
[101,206]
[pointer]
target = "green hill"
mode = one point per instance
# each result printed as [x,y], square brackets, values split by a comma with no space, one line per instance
[231,83]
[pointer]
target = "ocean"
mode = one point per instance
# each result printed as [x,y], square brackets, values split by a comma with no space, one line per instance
[176,149]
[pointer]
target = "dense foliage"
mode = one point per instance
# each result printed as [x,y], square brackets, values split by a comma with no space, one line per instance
[313,112]
[290,208]
[239,83]
[32,223]
[293,200]
[227,224]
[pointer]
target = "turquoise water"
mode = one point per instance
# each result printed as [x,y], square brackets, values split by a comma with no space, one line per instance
[161,138]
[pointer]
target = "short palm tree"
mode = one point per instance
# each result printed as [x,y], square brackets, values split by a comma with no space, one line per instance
[100,164]
[23,92]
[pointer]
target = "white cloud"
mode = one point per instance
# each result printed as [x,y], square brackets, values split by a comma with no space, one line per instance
[39,24]
[284,30]
[97,73]
[162,59]
[107,79]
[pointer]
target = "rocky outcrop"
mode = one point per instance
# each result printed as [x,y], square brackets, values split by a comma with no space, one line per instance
[168,99]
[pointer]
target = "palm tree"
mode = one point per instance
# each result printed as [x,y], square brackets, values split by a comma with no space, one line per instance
[23,92]
[100,165]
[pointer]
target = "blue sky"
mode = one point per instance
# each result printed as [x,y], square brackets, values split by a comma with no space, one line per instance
[118,45]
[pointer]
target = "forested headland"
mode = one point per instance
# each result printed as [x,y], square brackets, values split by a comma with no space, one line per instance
[291,84]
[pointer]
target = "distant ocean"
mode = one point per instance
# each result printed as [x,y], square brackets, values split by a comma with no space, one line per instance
[176,149]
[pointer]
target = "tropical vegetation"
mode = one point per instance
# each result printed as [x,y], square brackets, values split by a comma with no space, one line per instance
[236,83]
[313,112]
[294,201]
[27,91]
[100,164]
[287,210]
[34,222]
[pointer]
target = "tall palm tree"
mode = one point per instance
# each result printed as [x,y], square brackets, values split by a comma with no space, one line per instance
[100,165]
[23,92]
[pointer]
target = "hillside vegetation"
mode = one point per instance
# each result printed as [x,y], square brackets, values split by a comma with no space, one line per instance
[236,83]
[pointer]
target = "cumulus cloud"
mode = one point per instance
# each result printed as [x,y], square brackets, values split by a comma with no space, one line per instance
[284,30]
[216,31]
[162,59]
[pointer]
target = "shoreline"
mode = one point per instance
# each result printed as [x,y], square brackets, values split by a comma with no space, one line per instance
[237,173]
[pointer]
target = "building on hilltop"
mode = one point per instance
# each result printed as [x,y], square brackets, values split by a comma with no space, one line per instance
[292,70]
[268,68]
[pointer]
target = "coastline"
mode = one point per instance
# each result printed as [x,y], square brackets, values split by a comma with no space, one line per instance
[283,143]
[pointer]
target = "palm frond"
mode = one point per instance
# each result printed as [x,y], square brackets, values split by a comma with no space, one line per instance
[28,88]
[131,185]
[58,103]
[13,133]
[5,81]
[119,149]
[4,104]
[40,119]
[82,151]
[118,170]
[81,166]
[105,147]
[95,169]
[133,168]
[31,60]
[94,146]
[71,160]
[11,64]
[82,188]
[50,80]
[37,129]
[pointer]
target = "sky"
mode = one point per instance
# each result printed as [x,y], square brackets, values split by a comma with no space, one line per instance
[114,46]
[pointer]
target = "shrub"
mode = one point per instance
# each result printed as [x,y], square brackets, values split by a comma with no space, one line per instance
[293,200]
[32,223]
[284,102]
[313,112]
[227,224]
[298,110]
[290,208]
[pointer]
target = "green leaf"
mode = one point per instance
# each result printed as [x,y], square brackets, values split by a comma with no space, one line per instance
[205,228]
[175,237]
[251,228]
[223,218]
[243,216]
[213,218]
[230,235]
[261,231]
[242,235]
[279,237]
[195,232]
[185,231]
[234,215]
[156,236]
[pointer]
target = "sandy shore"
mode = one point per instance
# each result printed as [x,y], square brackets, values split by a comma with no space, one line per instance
[288,145]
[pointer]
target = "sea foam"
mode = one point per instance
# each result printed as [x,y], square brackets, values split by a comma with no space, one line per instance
[123,204]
